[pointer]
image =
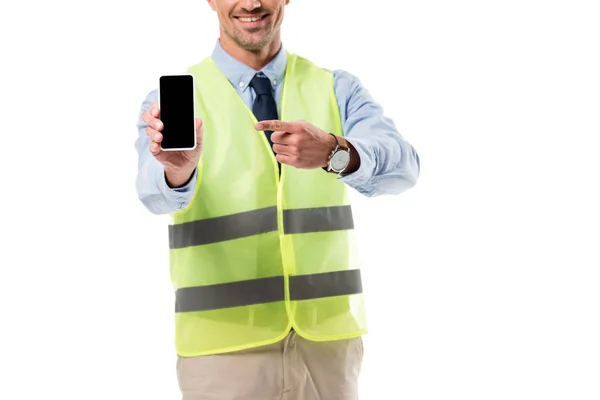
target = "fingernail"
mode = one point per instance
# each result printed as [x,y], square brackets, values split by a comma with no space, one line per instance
[158,125]
[259,126]
[156,137]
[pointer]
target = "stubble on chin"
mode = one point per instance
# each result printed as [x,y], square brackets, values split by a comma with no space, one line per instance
[249,44]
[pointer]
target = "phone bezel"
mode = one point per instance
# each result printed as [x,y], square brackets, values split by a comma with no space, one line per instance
[193,119]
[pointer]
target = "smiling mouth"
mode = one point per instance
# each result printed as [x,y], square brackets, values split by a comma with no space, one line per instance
[252,19]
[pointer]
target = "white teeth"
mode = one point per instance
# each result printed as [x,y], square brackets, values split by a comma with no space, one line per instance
[250,19]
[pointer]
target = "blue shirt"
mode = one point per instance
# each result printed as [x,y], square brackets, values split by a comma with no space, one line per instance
[388,163]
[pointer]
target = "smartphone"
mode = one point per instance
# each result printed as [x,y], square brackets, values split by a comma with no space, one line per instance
[176,103]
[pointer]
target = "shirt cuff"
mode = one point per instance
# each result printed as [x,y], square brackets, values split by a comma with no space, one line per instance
[361,178]
[179,197]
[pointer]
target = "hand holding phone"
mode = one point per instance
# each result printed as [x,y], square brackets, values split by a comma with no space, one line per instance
[178,164]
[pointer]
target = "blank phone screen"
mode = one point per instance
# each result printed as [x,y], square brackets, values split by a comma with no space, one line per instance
[177,111]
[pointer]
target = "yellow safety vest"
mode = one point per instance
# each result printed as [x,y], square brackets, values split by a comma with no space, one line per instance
[257,253]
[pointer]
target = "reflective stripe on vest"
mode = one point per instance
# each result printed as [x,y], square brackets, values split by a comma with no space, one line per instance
[266,290]
[255,222]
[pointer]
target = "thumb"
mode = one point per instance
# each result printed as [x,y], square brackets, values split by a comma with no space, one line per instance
[199,131]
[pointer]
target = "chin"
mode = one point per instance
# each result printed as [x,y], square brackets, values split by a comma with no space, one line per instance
[253,44]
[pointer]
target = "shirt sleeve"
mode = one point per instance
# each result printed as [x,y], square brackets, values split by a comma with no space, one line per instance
[388,163]
[151,184]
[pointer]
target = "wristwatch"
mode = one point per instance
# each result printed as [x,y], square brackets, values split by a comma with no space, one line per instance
[339,158]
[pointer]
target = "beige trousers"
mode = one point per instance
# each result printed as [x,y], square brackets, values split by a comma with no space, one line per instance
[293,369]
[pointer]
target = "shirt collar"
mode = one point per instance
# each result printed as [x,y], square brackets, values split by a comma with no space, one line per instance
[239,74]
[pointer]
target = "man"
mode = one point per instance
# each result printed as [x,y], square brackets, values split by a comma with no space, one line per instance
[268,295]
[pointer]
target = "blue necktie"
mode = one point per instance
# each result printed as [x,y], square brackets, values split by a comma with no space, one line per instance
[264,107]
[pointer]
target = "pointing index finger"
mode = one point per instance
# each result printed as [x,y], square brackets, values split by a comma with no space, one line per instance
[276,125]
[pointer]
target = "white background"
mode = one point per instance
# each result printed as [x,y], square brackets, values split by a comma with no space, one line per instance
[482,282]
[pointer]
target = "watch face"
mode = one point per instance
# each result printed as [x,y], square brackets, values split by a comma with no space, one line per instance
[340,160]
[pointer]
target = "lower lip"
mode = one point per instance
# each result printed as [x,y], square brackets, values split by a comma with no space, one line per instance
[253,24]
